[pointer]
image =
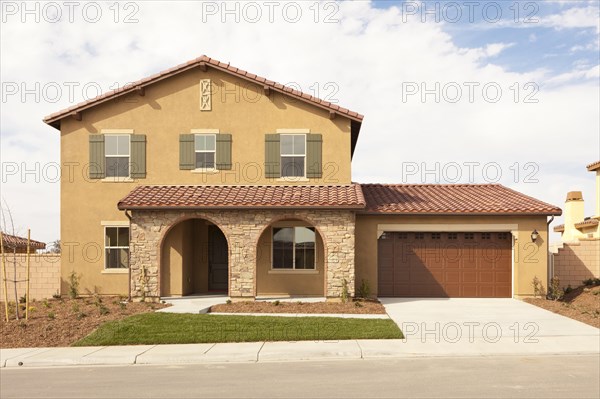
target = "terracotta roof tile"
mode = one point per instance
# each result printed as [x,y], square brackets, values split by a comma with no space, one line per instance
[593,166]
[197,197]
[53,119]
[559,229]
[11,242]
[451,199]
[587,223]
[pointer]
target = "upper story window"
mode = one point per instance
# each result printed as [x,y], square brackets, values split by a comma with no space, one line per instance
[205,149]
[293,155]
[116,247]
[117,154]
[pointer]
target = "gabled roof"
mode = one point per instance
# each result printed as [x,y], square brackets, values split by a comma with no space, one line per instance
[11,242]
[586,223]
[451,199]
[593,166]
[559,229]
[235,197]
[207,62]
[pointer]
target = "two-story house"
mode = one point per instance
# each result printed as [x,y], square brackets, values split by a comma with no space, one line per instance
[207,178]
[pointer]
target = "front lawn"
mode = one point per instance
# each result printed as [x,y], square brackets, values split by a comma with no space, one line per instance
[169,328]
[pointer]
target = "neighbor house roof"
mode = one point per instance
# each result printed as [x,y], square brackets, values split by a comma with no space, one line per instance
[593,166]
[451,199]
[15,242]
[232,197]
[587,223]
[207,62]
[559,229]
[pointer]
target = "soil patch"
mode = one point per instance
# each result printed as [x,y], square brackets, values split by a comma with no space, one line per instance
[352,307]
[582,304]
[61,322]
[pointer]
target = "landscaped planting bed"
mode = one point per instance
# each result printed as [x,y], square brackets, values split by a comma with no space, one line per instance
[350,307]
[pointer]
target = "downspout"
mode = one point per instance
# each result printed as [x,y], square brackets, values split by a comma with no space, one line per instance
[550,259]
[129,256]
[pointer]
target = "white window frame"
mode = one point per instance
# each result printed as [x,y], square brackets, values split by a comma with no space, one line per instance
[116,269]
[281,154]
[123,134]
[214,168]
[293,268]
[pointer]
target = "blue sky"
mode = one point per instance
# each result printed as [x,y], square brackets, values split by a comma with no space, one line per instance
[371,53]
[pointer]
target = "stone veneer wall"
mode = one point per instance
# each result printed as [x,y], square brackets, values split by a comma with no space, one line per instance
[577,261]
[242,229]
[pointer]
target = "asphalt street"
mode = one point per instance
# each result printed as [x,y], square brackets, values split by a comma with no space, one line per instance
[557,376]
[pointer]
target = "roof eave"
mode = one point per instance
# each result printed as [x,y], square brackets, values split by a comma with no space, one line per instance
[236,207]
[388,213]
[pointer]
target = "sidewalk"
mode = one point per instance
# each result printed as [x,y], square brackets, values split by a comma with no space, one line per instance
[282,351]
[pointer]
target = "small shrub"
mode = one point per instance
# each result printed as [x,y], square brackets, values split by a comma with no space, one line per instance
[276,303]
[32,309]
[103,310]
[554,291]
[569,289]
[344,295]
[75,308]
[46,304]
[51,315]
[73,285]
[364,291]
[538,287]
[122,305]
[591,282]
[358,304]
[23,299]
[228,302]
[81,315]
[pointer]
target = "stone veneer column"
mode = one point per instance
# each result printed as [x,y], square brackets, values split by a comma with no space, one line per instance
[242,229]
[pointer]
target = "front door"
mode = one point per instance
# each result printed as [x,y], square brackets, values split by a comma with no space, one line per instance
[218,273]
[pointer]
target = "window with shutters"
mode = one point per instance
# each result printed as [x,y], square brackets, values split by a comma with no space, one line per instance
[293,248]
[293,155]
[205,151]
[117,154]
[116,247]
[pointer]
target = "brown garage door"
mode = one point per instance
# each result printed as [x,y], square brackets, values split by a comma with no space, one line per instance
[455,265]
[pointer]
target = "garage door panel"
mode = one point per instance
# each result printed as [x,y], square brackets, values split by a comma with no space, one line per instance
[445,265]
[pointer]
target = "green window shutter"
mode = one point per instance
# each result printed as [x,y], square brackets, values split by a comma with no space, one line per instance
[314,150]
[97,157]
[186,152]
[272,156]
[223,152]
[138,156]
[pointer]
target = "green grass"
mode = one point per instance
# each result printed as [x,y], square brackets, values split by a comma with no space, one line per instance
[169,328]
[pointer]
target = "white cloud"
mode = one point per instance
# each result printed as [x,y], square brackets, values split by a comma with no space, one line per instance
[371,55]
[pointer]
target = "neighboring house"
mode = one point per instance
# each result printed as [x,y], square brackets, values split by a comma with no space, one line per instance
[16,244]
[577,256]
[207,178]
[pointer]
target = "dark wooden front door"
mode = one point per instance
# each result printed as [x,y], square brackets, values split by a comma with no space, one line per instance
[451,265]
[218,270]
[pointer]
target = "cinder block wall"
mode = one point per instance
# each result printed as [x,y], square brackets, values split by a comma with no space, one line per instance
[44,276]
[577,261]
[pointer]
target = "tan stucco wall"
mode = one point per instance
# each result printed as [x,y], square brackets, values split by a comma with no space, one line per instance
[291,283]
[530,259]
[44,275]
[168,109]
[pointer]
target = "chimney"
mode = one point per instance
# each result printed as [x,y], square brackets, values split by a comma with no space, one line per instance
[574,213]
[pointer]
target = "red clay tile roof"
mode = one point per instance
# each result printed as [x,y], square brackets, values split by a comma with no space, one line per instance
[451,199]
[587,223]
[593,166]
[559,229]
[11,242]
[219,197]
[54,119]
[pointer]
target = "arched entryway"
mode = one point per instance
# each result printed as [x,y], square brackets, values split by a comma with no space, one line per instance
[290,260]
[194,259]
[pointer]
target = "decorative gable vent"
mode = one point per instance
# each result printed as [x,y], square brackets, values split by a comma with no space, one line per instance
[205,95]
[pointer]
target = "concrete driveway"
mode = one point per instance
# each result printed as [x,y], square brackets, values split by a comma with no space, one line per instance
[461,326]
